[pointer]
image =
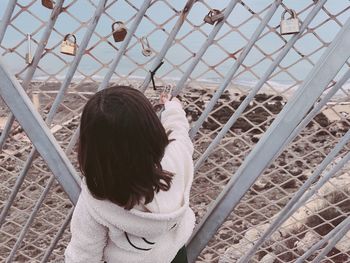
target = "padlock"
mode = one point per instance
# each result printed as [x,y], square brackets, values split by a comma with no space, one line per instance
[168,89]
[146,49]
[29,57]
[48,3]
[68,46]
[290,25]
[213,16]
[120,32]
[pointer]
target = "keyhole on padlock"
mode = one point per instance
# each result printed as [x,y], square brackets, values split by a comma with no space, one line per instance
[146,49]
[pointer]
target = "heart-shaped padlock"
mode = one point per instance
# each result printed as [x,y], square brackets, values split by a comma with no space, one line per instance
[120,32]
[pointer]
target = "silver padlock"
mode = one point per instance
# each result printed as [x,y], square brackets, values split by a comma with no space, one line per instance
[146,49]
[29,57]
[290,25]
[68,46]
[213,16]
[48,3]
[168,89]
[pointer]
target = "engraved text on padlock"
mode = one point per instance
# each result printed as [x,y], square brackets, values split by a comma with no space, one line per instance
[120,32]
[290,25]
[48,3]
[68,46]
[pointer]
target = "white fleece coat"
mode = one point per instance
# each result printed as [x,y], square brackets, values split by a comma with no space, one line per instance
[103,231]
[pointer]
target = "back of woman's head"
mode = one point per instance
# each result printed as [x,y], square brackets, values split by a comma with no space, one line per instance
[121,146]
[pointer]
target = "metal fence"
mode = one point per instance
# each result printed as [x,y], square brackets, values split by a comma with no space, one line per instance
[269,116]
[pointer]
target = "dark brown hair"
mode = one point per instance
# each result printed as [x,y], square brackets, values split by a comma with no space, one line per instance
[121,145]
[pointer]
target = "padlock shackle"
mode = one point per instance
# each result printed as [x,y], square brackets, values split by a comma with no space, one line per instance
[292,13]
[70,35]
[29,40]
[144,41]
[213,12]
[120,23]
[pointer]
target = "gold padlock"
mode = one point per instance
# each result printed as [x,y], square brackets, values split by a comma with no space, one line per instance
[68,46]
[120,32]
[146,49]
[290,25]
[48,3]
[213,16]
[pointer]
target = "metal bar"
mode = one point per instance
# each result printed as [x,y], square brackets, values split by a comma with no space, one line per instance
[15,188]
[319,184]
[115,62]
[19,103]
[60,94]
[289,209]
[3,26]
[238,112]
[99,10]
[304,194]
[125,43]
[339,233]
[30,219]
[233,69]
[81,50]
[168,42]
[327,67]
[321,242]
[26,82]
[6,18]
[59,97]
[204,47]
[5,132]
[338,229]
[73,140]
[57,237]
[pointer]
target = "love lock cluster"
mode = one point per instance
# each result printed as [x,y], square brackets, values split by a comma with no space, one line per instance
[69,44]
[288,26]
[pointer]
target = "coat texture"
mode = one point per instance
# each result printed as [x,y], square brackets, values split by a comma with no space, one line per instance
[151,233]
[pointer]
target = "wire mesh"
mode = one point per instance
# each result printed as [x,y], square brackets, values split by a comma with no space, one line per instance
[274,188]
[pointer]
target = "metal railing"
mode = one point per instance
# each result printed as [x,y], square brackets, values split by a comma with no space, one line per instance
[269,116]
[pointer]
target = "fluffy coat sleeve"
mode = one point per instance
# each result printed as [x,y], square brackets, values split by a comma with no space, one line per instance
[177,160]
[174,119]
[88,237]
